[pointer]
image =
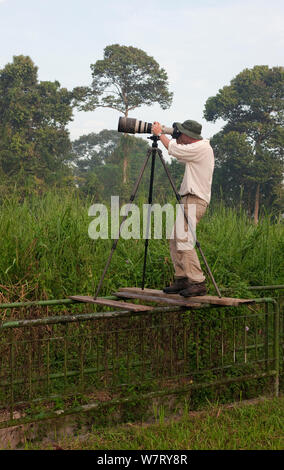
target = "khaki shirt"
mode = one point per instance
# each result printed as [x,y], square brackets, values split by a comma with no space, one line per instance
[199,166]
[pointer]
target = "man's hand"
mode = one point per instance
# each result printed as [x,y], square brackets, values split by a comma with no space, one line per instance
[157,130]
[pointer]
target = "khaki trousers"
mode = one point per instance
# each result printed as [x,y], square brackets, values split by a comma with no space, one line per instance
[185,261]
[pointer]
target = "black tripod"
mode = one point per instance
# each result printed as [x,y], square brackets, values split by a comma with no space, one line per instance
[155,150]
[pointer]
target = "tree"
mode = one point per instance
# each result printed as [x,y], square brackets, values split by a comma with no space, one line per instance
[253,108]
[124,80]
[34,141]
[97,166]
[93,156]
[97,162]
[92,150]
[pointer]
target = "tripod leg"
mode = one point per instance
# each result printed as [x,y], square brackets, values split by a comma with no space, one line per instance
[178,197]
[122,222]
[149,214]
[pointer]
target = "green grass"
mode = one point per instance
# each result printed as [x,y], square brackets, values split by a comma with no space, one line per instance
[45,251]
[248,426]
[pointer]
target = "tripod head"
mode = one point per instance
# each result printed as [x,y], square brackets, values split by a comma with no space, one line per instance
[155,139]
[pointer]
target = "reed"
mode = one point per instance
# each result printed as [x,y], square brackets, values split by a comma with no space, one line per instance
[45,250]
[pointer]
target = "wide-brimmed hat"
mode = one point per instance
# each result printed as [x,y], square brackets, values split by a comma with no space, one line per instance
[190,128]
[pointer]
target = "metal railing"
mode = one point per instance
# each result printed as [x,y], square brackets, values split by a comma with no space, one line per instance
[65,364]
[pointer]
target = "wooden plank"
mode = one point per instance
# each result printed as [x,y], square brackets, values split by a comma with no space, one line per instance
[111,303]
[203,299]
[153,292]
[182,302]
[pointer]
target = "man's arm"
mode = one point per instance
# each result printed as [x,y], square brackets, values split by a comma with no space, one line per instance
[156,130]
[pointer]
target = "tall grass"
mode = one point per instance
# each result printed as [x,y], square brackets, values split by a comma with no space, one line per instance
[45,250]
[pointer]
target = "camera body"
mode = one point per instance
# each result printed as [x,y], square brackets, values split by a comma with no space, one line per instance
[134,126]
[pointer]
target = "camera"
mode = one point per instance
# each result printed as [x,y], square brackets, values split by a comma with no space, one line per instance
[134,126]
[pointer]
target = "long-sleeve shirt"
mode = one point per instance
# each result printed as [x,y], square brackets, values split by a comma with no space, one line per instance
[198,158]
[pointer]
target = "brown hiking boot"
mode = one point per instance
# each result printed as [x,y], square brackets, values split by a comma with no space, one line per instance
[179,285]
[193,290]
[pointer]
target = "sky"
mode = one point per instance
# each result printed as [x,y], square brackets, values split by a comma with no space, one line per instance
[202,45]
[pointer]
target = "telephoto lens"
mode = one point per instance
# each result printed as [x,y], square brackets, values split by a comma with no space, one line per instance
[134,126]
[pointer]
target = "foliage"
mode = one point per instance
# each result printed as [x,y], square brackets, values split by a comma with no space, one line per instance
[249,148]
[98,165]
[92,154]
[95,149]
[249,425]
[34,141]
[46,252]
[125,79]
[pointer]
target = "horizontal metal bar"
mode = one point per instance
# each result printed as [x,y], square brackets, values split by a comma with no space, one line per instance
[253,346]
[145,396]
[111,297]
[46,302]
[272,287]
[263,300]
[281,286]
[74,373]
[224,368]
[252,315]
[37,302]
[117,313]
[83,317]
[71,373]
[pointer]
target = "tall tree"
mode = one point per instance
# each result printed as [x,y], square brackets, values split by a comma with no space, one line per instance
[124,80]
[96,159]
[253,108]
[34,141]
[97,162]
[94,162]
[92,150]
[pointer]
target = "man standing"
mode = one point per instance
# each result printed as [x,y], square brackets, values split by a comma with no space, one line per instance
[197,155]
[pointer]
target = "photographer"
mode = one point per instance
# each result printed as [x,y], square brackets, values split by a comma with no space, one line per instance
[197,155]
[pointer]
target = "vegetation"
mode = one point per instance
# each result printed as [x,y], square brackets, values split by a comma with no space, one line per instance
[249,148]
[34,141]
[36,152]
[245,427]
[46,251]
[124,80]
[98,162]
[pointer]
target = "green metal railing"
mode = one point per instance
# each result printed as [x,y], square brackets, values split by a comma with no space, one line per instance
[279,289]
[65,364]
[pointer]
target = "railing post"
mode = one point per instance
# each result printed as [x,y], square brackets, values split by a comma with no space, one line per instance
[266,307]
[12,365]
[276,346]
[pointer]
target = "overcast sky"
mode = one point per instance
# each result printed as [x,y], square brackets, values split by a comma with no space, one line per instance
[202,44]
